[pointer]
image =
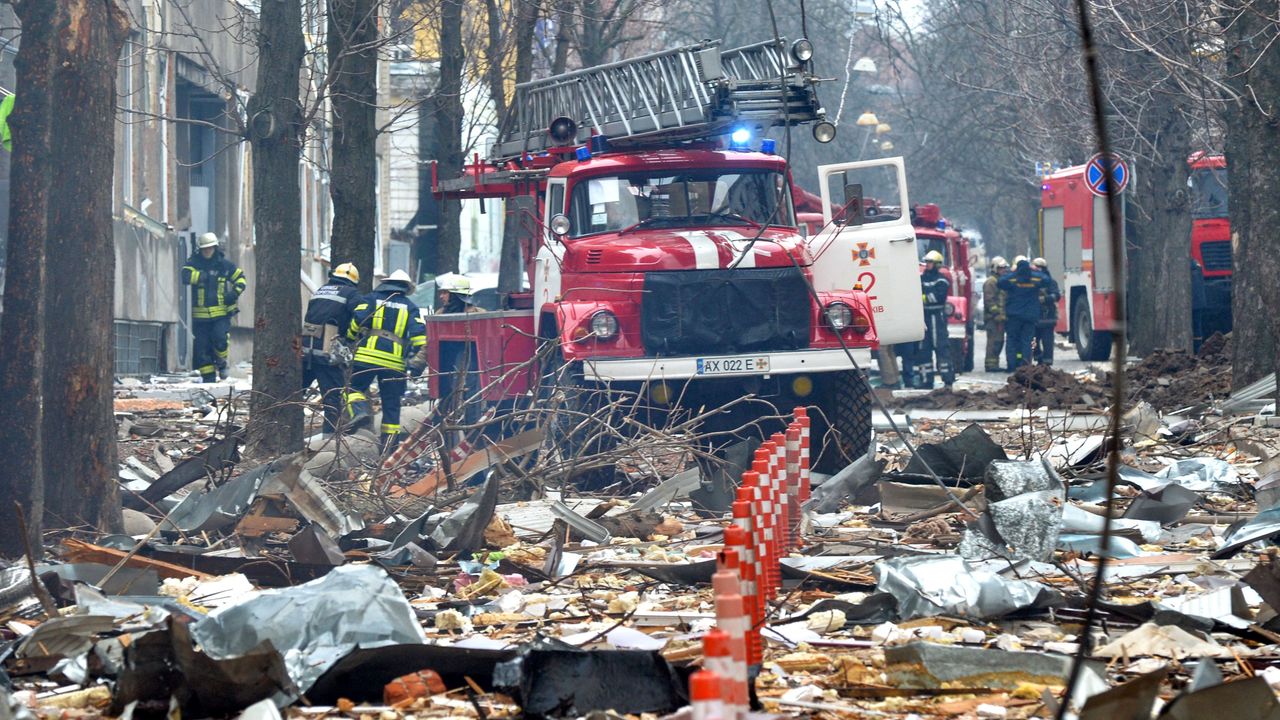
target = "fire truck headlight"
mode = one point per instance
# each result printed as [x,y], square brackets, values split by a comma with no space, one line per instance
[950,310]
[560,225]
[802,50]
[604,325]
[824,132]
[839,316]
[861,324]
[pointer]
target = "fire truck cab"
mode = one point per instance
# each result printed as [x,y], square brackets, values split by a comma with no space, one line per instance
[1210,246]
[665,259]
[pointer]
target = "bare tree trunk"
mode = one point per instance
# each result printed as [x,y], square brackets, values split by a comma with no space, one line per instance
[274,115]
[353,58]
[1159,271]
[79,424]
[1253,171]
[448,111]
[510,267]
[22,352]
[564,31]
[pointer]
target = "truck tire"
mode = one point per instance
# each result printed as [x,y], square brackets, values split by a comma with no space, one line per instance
[844,399]
[1091,346]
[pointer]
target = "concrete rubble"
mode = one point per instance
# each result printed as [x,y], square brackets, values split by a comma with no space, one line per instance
[313,585]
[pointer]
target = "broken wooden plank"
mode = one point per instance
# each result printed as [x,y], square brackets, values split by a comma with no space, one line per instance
[80,551]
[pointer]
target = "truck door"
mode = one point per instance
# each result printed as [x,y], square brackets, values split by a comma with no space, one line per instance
[871,244]
[546,276]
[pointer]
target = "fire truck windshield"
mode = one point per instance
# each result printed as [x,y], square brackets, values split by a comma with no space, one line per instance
[621,203]
[1208,193]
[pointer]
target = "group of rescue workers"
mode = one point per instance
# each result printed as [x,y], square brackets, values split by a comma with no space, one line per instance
[350,340]
[1020,309]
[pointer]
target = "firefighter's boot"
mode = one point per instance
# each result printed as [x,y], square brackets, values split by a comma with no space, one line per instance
[388,442]
[357,410]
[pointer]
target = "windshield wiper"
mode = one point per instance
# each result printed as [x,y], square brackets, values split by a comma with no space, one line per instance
[644,222]
[736,216]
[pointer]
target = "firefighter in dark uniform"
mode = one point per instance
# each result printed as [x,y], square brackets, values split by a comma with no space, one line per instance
[390,337]
[993,313]
[1022,289]
[216,284]
[934,351]
[324,329]
[1043,351]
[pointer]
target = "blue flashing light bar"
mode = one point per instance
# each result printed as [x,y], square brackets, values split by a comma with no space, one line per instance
[768,146]
[583,154]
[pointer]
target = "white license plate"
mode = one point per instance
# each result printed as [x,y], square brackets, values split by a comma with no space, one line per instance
[733,366]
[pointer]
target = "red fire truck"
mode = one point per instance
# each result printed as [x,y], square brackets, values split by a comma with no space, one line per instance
[1077,245]
[663,254]
[1210,245]
[933,232]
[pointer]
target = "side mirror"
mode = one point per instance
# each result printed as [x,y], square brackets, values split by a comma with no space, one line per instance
[853,204]
[559,225]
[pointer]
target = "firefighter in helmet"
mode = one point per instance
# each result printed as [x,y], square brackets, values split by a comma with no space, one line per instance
[934,351]
[390,337]
[993,313]
[1022,289]
[324,328]
[453,294]
[216,284]
[1043,351]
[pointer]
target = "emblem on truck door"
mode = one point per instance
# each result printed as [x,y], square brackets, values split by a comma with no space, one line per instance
[864,254]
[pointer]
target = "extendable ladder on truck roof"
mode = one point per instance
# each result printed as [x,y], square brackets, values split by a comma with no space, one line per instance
[688,93]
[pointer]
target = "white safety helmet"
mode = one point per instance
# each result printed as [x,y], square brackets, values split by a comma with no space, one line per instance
[1019,260]
[399,276]
[1040,263]
[999,263]
[207,240]
[402,277]
[454,283]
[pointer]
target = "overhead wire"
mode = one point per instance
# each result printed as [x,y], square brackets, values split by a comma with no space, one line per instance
[1120,333]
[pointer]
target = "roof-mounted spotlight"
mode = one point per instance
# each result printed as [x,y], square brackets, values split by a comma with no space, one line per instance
[562,130]
[824,132]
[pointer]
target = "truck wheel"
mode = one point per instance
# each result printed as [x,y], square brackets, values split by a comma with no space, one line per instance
[1091,346]
[844,434]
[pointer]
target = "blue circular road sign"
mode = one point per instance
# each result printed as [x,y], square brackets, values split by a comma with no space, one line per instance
[1095,174]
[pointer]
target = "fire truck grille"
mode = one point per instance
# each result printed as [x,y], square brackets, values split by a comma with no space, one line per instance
[1217,255]
[721,312]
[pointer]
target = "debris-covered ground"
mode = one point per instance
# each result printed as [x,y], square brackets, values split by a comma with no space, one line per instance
[472,584]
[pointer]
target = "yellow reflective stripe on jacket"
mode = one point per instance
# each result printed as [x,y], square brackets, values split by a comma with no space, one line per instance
[373,356]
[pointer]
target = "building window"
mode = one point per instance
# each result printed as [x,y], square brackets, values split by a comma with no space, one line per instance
[139,347]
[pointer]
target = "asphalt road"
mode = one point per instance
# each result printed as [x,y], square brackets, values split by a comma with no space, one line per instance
[1064,358]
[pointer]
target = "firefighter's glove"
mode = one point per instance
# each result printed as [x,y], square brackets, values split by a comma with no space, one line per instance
[417,364]
[340,354]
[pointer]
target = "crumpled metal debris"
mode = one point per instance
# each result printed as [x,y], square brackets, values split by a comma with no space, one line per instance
[1166,505]
[313,625]
[1023,516]
[830,495]
[1262,526]
[223,506]
[929,585]
[1250,699]
[1133,699]
[966,455]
